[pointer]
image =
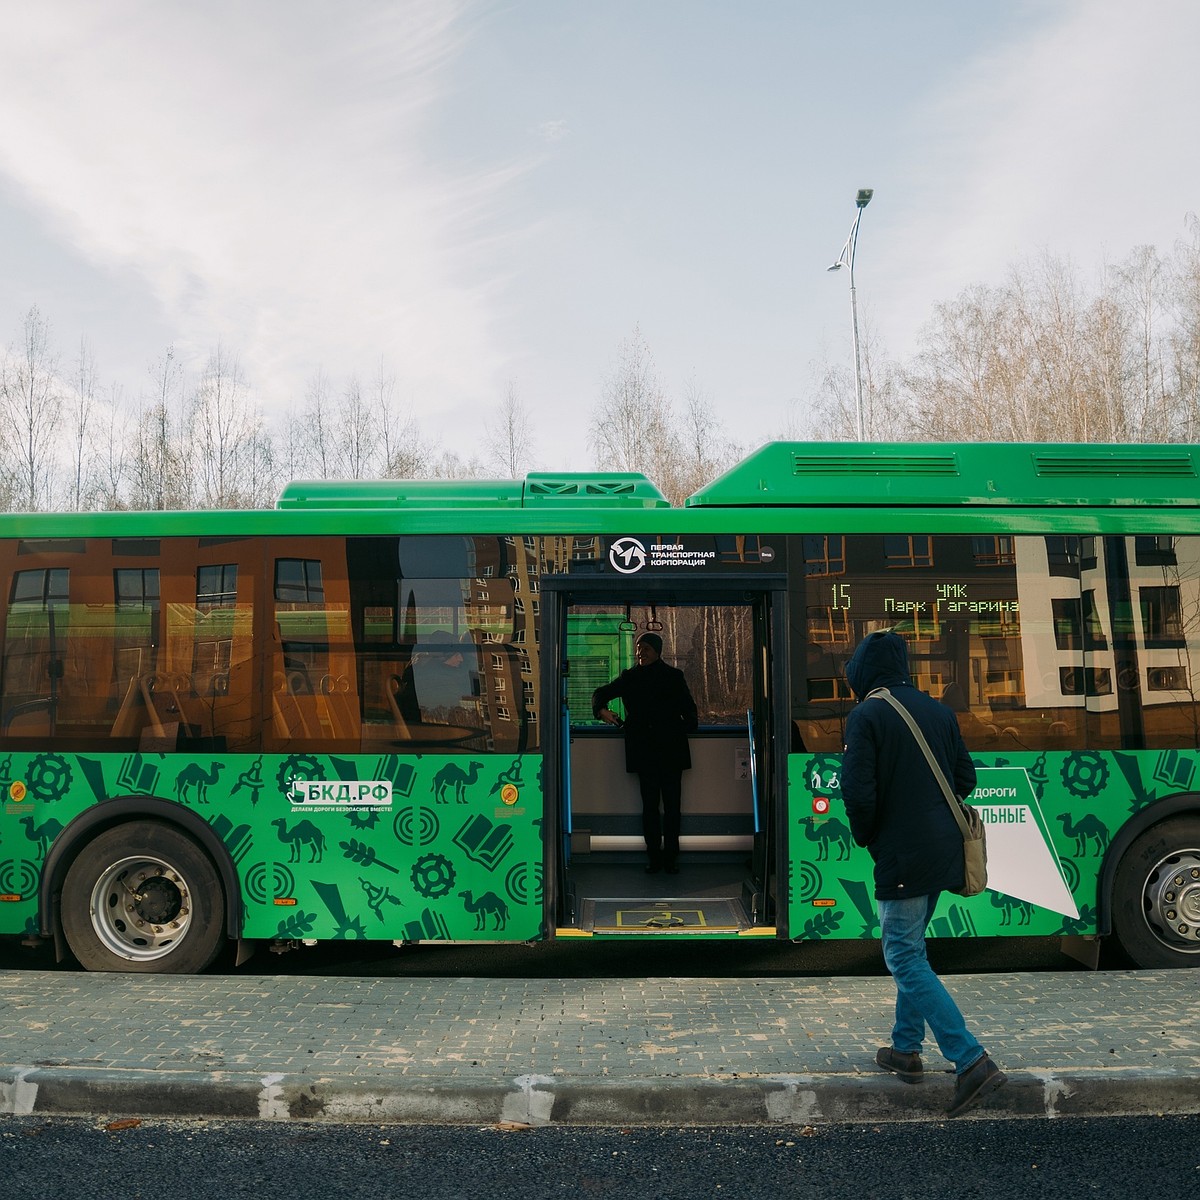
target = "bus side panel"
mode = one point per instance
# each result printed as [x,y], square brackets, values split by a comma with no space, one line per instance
[1051,818]
[385,846]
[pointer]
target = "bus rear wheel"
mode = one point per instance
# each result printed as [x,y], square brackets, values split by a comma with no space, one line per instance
[143,897]
[1156,896]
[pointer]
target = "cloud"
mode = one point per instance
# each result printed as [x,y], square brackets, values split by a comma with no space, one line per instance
[265,170]
[553,131]
[1073,137]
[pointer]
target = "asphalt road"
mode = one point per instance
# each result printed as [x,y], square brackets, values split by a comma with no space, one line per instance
[122,1159]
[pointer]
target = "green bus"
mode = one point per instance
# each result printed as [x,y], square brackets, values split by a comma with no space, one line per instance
[365,713]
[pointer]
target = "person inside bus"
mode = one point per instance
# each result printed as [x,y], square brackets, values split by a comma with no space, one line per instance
[898,811]
[659,715]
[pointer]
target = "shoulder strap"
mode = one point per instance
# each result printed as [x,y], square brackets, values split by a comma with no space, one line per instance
[883,694]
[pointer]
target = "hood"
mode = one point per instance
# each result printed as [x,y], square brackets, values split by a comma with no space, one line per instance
[881,660]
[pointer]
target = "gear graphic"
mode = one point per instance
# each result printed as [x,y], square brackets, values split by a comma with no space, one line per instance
[433,876]
[49,777]
[1084,774]
[297,766]
[363,818]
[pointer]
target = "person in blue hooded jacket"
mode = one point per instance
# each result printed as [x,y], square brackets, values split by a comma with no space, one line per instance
[898,811]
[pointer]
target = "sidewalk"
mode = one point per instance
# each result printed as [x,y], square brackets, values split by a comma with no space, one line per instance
[577,1051]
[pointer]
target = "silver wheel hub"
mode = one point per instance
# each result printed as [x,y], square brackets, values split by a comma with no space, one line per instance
[1171,900]
[141,908]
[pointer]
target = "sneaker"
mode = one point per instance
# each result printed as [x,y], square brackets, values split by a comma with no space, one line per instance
[907,1066]
[978,1080]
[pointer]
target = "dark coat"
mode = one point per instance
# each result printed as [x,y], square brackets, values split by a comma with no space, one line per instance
[896,807]
[659,715]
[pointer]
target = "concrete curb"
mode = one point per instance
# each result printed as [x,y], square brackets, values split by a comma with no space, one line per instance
[539,1100]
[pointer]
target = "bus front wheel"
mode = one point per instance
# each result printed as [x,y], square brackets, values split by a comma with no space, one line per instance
[143,897]
[1156,896]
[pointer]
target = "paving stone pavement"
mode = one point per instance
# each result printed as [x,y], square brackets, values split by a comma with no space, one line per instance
[578,1051]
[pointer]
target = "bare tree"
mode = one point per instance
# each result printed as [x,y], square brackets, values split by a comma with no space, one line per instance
[160,471]
[699,449]
[235,454]
[112,457]
[630,429]
[833,409]
[81,406]
[1184,339]
[510,437]
[314,452]
[449,465]
[357,436]
[30,409]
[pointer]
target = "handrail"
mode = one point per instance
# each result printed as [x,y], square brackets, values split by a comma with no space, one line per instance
[753,771]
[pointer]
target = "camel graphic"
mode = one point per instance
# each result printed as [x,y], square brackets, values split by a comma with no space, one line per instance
[1007,904]
[1088,826]
[453,775]
[43,834]
[303,832]
[195,777]
[824,832]
[489,902]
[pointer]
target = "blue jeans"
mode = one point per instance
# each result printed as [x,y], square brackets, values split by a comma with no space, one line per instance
[921,997]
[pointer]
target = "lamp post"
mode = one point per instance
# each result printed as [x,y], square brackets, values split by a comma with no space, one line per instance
[846,259]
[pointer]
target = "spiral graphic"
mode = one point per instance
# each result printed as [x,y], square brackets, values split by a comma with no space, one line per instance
[524,883]
[266,881]
[807,882]
[1070,870]
[18,877]
[415,826]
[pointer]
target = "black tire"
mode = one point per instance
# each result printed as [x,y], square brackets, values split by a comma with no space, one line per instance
[172,923]
[1156,896]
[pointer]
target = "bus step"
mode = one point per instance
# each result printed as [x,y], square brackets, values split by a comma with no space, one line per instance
[682,915]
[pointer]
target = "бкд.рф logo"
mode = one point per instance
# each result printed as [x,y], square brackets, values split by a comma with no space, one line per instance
[627,555]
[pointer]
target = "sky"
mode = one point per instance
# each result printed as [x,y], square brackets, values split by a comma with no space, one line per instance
[485,194]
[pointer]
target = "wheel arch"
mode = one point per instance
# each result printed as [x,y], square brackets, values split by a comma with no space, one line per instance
[1146,818]
[118,811]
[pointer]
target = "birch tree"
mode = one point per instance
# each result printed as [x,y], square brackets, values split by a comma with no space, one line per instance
[81,407]
[510,438]
[235,461]
[631,423]
[160,468]
[30,410]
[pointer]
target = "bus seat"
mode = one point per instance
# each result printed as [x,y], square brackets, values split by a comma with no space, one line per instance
[32,718]
[339,708]
[392,687]
[177,697]
[287,716]
[137,711]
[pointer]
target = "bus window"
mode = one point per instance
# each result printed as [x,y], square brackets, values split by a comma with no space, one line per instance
[445,631]
[1164,584]
[991,623]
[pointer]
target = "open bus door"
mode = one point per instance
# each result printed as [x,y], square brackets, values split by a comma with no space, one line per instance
[728,638]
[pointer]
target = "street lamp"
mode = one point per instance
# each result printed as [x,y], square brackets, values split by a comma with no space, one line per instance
[846,259]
